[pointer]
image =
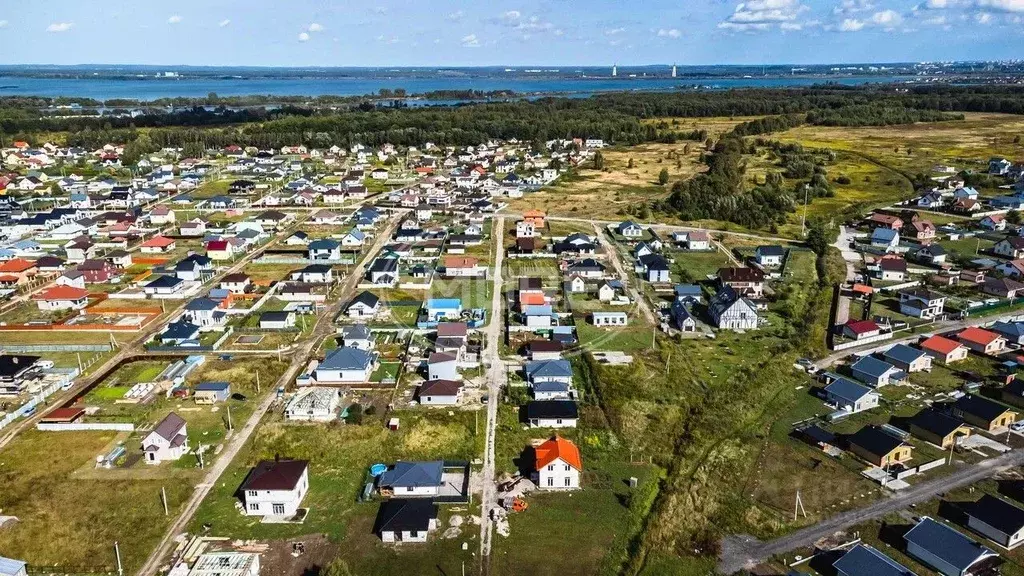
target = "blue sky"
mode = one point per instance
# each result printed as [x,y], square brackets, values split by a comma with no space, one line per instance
[539,32]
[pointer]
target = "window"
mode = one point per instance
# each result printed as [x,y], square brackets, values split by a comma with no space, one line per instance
[551,467]
[568,481]
[254,507]
[551,481]
[252,492]
[413,533]
[278,508]
[559,421]
[567,468]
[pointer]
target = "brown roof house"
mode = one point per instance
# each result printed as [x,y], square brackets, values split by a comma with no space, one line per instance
[275,488]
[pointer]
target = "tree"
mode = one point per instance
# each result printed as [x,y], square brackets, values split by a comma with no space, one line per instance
[1016,139]
[336,568]
[818,237]
[598,160]
[1013,217]
[629,164]
[663,176]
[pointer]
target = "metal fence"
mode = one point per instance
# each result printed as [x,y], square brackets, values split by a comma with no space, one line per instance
[29,348]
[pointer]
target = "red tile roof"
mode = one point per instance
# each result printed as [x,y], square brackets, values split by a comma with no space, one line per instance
[940,344]
[862,326]
[978,336]
[556,448]
[62,293]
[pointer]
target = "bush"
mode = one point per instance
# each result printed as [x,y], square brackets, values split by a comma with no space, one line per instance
[355,414]
[843,179]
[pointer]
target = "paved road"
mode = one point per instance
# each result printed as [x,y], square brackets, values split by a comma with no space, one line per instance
[324,327]
[495,379]
[620,269]
[745,552]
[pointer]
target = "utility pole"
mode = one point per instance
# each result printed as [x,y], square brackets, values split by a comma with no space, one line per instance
[199,451]
[257,381]
[163,498]
[798,507]
[803,219]
[117,553]
[79,356]
[230,427]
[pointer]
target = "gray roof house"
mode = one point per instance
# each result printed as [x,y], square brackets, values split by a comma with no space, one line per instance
[875,372]
[863,560]
[411,479]
[909,359]
[346,364]
[549,370]
[850,396]
[947,551]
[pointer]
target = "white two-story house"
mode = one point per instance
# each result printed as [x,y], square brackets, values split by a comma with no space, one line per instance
[275,488]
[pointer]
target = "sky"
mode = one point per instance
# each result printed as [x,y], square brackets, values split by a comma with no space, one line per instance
[510,32]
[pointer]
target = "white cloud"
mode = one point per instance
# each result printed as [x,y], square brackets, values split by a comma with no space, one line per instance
[60,26]
[388,39]
[470,41]
[303,37]
[174,19]
[887,18]
[223,23]
[936,20]
[670,33]
[3,23]
[511,16]
[791,26]
[759,15]
[851,25]
[314,27]
[380,10]
[455,16]
[854,6]
[983,18]
[614,31]
[1002,5]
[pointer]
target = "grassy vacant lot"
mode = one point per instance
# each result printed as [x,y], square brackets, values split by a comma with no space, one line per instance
[473,293]
[340,455]
[539,267]
[601,194]
[68,520]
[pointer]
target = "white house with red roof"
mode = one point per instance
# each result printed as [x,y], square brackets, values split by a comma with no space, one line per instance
[557,465]
[945,350]
[62,298]
[219,250]
[861,329]
[157,245]
[982,341]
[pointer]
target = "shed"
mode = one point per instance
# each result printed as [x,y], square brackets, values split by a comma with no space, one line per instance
[211,392]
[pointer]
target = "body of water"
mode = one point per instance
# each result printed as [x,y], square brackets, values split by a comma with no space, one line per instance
[152,88]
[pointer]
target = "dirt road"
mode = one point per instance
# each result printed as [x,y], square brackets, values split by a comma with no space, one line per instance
[495,379]
[627,278]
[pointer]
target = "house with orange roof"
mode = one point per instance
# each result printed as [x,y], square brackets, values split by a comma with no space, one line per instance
[157,245]
[463,267]
[557,465]
[945,350]
[535,217]
[17,271]
[62,298]
[982,341]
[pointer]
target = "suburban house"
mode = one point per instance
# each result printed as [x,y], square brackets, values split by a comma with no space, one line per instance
[861,329]
[939,428]
[983,413]
[1012,331]
[630,229]
[61,298]
[463,267]
[157,245]
[11,567]
[357,336]
[997,519]
[211,392]
[557,465]
[365,305]
[1011,247]
[748,282]
[346,364]
[551,414]
[982,341]
[412,479]
[878,447]
[1001,287]
[876,373]
[442,366]
[730,311]
[406,520]
[849,396]
[314,274]
[947,551]
[944,350]
[168,441]
[769,256]
[540,371]
[863,560]
[609,318]
[440,392]
[921,303]
[219,250]
[908,359]
[885,238]
[441,309]
[277,320]
[275,488]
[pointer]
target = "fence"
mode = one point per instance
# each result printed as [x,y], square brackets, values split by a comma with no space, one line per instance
[30,348]
[862,341]
[40,397]
[85,426]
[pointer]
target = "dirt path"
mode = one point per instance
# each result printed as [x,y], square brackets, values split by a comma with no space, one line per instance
[495,378]
[627,279]
[324,327]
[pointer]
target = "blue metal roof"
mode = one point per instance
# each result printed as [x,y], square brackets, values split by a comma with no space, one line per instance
[847,389]
[904,353]
[212,386]
[872,367]
[549,368]
[883,235]
[947,544]
[346,358]
[413,474]
[863,560]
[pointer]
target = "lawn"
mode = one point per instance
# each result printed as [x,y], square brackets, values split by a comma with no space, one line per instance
[340,455]
[523,267]
[698,265]
[473,293]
